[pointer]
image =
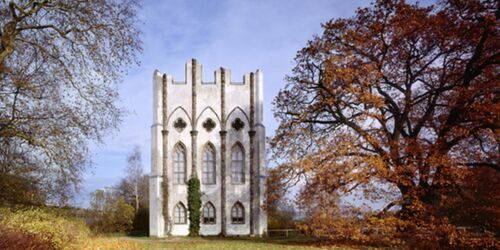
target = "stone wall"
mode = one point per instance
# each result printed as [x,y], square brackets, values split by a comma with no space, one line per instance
[197,113]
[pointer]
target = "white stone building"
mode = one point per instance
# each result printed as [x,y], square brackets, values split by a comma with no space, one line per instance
[213,130]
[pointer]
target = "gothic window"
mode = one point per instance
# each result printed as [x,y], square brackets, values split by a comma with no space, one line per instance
[237,164]
[179,164]
[209,213]
[208,164]
[180,214]
[238,214]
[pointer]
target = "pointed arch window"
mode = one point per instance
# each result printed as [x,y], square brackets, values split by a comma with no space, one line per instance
[180,214]
[208,164]
[209,213]
[237,164]
[238,213]
[179,164]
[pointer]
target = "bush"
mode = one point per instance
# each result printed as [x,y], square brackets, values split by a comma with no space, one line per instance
[110,213]
[141,222]
[440,234]
[353,227]
[14,240]
[391,231]
[58,231]
[16,189]
[194,206]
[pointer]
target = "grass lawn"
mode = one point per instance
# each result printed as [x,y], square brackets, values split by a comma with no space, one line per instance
[209,243]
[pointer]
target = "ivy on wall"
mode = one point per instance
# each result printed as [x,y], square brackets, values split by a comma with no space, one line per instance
[194,206]
[168,224]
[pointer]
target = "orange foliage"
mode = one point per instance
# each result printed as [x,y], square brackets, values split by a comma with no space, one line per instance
[14,240]
[400,102]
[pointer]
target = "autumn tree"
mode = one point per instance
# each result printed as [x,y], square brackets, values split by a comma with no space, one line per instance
[477,202]
[400,101]
[60,62]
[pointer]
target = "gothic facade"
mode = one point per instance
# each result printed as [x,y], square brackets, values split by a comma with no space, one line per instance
[214,131]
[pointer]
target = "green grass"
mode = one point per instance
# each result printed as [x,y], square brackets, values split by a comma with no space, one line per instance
[218,243]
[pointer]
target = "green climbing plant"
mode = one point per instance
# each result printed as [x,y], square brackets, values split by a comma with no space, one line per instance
[194,206]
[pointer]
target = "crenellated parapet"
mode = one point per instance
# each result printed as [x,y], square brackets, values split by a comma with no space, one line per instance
[208,93]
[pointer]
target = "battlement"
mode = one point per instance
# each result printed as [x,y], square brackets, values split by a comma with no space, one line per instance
[199,75]
[194,95]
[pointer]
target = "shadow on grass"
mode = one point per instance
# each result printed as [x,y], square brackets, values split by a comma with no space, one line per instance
[138,234]
[294,241]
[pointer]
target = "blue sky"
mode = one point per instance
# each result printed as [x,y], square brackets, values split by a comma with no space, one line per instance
[241,35]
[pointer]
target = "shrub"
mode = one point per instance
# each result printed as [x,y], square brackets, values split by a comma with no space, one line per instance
[194,206]
[141,222]
[388,230]
[14,240]
[339,226]
[17,189]
[110,213]
[123,216]
[440,234]
[60,232]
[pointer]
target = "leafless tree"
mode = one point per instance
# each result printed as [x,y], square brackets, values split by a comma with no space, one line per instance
[134,174]
[60,62]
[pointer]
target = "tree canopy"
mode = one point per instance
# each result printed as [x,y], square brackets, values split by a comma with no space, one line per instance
[401,101]
[60,62]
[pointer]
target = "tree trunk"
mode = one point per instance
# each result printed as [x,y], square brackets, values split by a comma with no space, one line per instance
[136,197]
